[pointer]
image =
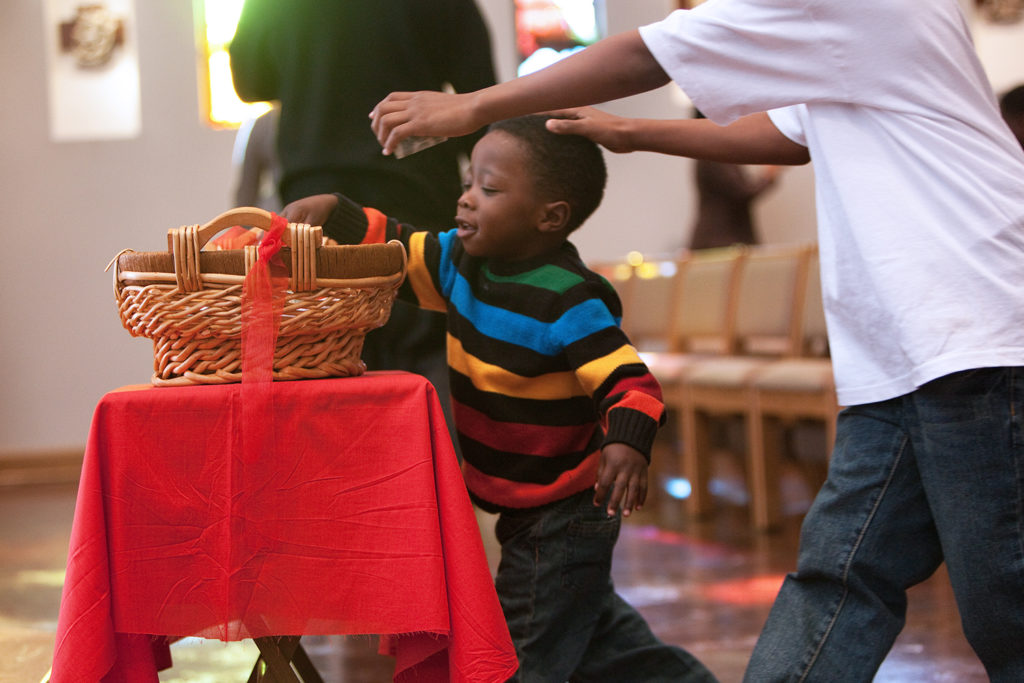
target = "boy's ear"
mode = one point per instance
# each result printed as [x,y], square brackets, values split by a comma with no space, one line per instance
[555,217]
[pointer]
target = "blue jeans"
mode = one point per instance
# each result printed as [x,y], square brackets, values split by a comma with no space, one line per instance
[936,475]
[567,623]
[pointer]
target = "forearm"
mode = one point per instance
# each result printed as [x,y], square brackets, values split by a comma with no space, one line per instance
[615,67]
[749,140]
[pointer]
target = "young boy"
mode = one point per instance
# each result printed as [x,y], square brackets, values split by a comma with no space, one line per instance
[921,234]
[554,409]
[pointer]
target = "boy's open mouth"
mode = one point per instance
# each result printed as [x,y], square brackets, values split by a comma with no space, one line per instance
[465,228]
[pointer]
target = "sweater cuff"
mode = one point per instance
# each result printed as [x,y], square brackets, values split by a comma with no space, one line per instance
[347,222]
[632,428]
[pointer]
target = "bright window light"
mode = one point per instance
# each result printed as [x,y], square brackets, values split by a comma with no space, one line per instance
[221,106]
[550,30]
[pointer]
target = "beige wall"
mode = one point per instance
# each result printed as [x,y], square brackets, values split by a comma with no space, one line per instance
[70,207]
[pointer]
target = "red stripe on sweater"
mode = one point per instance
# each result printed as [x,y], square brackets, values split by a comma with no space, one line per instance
[645,383]
[519,495]
[528,439]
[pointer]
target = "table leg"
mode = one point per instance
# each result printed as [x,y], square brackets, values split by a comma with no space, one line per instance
[277,656]
[304,666]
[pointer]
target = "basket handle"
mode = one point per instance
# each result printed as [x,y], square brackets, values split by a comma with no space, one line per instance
[243,215]
[186,242]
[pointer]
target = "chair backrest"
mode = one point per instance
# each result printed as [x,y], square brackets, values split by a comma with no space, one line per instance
[651,289]
[812,324]
[702,315]
[770,300]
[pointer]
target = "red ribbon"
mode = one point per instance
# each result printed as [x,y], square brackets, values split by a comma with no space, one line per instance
[262,302]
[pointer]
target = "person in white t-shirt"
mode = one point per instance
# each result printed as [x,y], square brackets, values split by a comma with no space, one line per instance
[921,234]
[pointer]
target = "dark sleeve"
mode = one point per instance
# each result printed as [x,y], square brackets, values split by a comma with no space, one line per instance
[350,223]
[251,50]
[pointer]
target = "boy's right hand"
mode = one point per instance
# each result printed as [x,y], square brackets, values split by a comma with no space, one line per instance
[422,114]
[314,210]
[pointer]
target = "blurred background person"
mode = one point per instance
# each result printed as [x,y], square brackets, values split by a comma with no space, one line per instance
[1011,104]
[328,62]
[257,169]
[725,195]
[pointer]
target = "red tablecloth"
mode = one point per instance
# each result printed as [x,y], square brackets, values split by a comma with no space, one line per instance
[358,522]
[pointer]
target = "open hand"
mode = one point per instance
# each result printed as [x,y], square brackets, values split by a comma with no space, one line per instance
[422,114]
[621,479]
[605,129]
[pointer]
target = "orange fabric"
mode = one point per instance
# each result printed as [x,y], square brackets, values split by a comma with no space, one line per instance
[359,522]
[235,237]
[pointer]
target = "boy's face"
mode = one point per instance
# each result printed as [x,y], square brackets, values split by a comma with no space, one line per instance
[500,210]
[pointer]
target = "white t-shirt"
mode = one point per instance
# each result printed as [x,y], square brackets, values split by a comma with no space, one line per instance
[919,182]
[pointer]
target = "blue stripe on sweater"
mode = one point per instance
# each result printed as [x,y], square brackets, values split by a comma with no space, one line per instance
[446,270]
[549,339]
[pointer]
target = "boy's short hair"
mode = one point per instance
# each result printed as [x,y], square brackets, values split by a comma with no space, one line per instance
[567,168]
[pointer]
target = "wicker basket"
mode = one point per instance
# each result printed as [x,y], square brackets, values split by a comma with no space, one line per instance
[188,301]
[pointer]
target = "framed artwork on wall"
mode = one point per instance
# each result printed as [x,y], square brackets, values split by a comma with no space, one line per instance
[92,70]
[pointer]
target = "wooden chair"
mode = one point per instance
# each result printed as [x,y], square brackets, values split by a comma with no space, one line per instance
[700,316]
[783,393]
[675,310]
[647,295]
[769,297]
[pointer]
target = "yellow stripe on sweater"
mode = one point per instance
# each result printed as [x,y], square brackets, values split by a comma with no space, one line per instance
[419,276]
[592,374]
[489,377]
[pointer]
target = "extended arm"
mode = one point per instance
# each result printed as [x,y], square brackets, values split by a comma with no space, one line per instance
[751,139]
[615,67]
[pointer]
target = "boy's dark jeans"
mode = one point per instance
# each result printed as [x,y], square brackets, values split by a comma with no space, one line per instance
[567,622]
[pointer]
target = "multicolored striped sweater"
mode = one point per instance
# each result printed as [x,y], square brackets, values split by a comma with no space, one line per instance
[542,376]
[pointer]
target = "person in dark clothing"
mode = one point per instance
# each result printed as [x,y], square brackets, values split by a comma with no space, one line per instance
[328,63]
[726,193]
[1011,105]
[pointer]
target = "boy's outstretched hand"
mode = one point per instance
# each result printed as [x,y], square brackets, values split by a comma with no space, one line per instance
[314,210]
[621,479]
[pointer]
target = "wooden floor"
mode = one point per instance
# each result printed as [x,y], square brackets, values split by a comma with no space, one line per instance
[706,586]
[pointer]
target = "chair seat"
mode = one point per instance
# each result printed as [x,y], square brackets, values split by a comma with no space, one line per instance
[733,372]
[671,368]
[795,375]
